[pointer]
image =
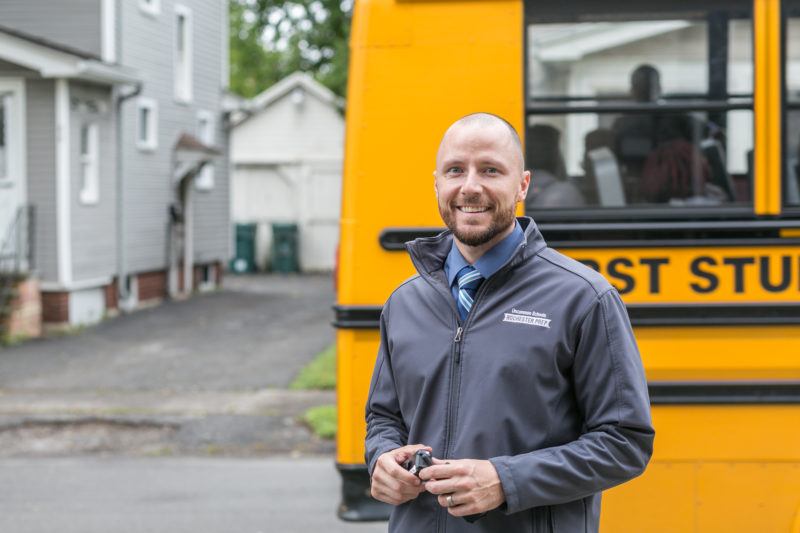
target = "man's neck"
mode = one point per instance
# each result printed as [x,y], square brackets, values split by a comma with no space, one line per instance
[473,253]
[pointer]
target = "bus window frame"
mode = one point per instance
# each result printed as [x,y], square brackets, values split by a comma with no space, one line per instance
[787,210]
[638,212]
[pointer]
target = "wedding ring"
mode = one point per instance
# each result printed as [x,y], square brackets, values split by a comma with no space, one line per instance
[449,499]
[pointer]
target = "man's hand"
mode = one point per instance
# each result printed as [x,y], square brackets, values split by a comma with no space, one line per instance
[473,486]
[391,483]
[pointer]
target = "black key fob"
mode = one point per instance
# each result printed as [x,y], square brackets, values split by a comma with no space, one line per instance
[421,459]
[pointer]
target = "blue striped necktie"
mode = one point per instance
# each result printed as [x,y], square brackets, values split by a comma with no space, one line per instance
[468,280]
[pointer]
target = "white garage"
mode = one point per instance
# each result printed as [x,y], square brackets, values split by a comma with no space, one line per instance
[287,147]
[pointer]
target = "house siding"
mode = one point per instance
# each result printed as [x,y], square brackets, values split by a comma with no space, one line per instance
[146,45]
[41,170]
[12,70]
[93,225]
[284,131]
[75,23]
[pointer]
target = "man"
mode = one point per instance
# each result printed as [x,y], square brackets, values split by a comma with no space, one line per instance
[659,152]
[514,365]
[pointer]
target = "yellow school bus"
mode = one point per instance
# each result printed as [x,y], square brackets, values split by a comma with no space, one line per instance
[664,140]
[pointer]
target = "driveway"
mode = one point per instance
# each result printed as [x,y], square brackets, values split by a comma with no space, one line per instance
[204,376]
[257,332]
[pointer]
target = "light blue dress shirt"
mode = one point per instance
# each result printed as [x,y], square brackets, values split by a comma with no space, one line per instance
[488,263]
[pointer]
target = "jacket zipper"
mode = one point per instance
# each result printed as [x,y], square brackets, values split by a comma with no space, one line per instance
[441,525]
[454,373]
[455,390]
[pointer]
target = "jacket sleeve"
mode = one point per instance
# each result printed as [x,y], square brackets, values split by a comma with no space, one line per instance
[611,393]
[385,427]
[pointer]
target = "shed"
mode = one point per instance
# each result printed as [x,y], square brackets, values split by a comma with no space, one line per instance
[287,148]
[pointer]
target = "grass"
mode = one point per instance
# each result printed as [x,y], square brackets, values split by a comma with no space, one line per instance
[319,374]
[12,340]
[322,420]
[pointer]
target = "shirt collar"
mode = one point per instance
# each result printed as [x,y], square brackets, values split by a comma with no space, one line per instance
[488,263]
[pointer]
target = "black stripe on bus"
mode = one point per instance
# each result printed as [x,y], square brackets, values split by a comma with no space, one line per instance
[634,234]
[715,392]
[357,316]
[368,317]
[633,107]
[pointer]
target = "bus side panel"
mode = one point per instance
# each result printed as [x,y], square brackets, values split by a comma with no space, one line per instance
[669,354]
[357,349]
[715,468]
[411,76]
[726,353]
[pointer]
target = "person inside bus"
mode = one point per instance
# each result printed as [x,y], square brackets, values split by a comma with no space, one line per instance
[549,184]
[658,152]
[513,365]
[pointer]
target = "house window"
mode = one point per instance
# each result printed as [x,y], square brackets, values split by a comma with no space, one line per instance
[147,124]
[183,53]
[151,7]
[205,133]
[90,162]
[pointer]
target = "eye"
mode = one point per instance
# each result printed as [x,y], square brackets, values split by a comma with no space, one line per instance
[454,170]
[492,171]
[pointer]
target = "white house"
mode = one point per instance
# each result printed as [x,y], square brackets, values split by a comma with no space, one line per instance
[286,149]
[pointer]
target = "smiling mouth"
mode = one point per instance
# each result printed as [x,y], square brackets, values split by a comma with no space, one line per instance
[472,208]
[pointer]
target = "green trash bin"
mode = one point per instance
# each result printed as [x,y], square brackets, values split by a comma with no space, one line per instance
[284,248]
[245,258]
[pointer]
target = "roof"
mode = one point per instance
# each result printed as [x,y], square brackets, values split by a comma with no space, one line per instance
[283,88]
[56,60]
[190,143]
[48,43]
[571,42]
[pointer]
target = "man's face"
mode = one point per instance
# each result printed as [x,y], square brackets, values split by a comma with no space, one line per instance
[479,180]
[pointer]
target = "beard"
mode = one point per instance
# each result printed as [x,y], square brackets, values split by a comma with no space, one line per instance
[475,235]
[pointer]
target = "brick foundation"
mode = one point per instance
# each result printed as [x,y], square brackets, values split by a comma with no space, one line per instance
[112,296]
[219,273]
[55,306]
[152,285]
[25,318]
[197,275]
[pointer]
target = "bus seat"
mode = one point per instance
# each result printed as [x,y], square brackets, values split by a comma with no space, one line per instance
[606,173]
[715,155]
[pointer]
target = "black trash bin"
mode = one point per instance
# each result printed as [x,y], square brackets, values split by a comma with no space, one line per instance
[284,248]
[245,258]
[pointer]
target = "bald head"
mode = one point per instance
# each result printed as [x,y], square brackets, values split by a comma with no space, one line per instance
[484,121]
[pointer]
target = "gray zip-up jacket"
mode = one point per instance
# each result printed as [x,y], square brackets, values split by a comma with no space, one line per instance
[543,379]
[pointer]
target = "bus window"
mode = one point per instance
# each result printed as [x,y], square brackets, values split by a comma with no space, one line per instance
[649,105]
[791,174]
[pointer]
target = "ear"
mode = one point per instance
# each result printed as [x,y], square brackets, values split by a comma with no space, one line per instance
[435,185]
[523,186]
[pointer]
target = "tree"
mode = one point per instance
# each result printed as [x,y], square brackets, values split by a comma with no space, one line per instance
[270,39]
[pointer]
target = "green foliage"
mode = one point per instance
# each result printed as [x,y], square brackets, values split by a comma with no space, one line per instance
[319,374]
[270,39]
[322,420]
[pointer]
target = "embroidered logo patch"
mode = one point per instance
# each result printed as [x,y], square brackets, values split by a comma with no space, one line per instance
[531,318]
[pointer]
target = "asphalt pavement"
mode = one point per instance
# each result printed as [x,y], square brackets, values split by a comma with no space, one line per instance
[175,417]
[257,332]
[175,495]
[205,376]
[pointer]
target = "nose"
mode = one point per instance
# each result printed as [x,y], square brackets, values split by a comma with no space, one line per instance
[472,184]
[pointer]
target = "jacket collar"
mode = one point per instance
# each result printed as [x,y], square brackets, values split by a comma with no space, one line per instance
[429,253]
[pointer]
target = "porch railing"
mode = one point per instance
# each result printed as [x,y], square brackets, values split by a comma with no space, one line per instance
[16,258]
